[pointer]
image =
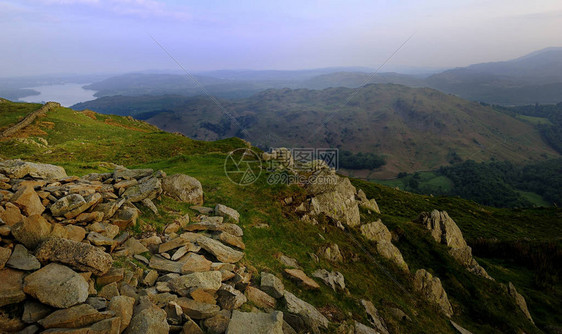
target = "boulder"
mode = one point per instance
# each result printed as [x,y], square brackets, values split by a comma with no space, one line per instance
[34,311]
[56,285]
[161,264]
[374,318]
[366,203]
[459,328]
[300,277]
[121,172]
[226,212]
[333,279]
[74,204]
[194,263]
[231,229]
[209,281]
[308,314]
[362,329]
[31,231]
[331,252]
[17,169]
[220,251]
[149,320]
[191,327]
[197,310]
[230,298]
[125,216]
[272,285]
[183,188]
[218,323]
[28,201]
[11,289]
[445,231]
[377,232]
[230,239]
[245,322]
[260,298]
[387,250]
[5,254]
[123,308]
[519,300]
[334,197]
[78,255]
[149,188]
[432,290]
[73,317]
[11,214]
[23,260]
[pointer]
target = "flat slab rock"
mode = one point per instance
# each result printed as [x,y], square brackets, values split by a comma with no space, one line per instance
[56,285]
[249,322]
[299,276]
[78,255]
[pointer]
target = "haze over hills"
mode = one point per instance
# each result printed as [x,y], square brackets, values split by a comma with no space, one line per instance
[533,78]
[414,128]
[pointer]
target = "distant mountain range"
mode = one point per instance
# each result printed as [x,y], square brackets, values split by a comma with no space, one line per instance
[534,78]
[414,128]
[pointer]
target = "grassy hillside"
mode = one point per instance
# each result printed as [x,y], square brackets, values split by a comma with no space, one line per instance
[413,128]
[85,142]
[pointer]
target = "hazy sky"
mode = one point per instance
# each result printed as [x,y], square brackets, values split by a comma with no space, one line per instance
[102,36]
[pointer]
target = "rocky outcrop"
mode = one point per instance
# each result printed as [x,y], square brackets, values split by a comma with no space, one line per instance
[305,314]
[332,196]
[519,301]
[333,279]
[377,232]
[368,204]
[374,318]
[430,287]
[445,231]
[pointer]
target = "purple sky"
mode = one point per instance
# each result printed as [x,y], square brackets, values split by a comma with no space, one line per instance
[108,36]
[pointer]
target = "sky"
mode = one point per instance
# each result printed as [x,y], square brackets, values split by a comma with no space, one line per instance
[117,36]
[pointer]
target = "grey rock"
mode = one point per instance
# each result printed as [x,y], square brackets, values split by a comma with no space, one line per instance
[78,255]
[56,285]
[272,285]
[430,287]
[22,259]
[183,188]
[310,316]
[150,320]
[245,322]
[225,211]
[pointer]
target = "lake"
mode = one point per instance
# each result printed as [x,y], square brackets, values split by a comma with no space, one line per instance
[66,94]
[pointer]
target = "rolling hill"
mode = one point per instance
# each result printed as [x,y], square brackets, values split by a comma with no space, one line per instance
[534,78]
[413,128]
[519,246]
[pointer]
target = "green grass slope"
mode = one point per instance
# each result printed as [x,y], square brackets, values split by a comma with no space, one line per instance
[414,128]
[88,142]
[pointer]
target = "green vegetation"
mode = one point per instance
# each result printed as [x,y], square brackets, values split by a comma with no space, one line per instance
[89,142]
[360,160]
[413,128]
[548,119]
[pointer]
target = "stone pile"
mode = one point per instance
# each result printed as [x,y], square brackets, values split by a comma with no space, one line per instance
[69,264]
